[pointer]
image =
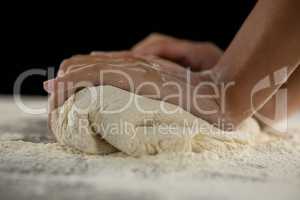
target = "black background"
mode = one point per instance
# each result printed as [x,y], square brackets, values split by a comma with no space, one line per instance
[40,36]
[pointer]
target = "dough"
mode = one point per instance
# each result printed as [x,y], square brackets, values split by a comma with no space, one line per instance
[91,121]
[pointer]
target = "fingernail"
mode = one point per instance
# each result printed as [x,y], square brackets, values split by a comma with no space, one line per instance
[49,85]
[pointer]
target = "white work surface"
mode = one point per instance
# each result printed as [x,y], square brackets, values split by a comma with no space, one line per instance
[32,166]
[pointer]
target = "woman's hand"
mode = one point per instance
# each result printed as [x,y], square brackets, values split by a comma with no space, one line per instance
[143,75]
[91,70]
[196,55]
[163,65]
[118,69]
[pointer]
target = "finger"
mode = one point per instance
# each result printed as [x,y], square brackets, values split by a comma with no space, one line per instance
[82,60]
[150,44]
[174,50]
[114,54]
[94,75]
[95,53]
[89,75]
[65,82]
[91,59]
[62,92]
[152,39]
[75,67]
[74,61]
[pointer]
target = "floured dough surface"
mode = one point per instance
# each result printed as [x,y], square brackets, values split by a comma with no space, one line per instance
[105,119]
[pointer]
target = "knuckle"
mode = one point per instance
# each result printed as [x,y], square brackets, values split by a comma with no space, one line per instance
[157,37]
[70,68]
[79,56]
[65,64]
[209,44]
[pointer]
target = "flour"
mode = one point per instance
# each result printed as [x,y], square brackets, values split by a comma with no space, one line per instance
[279,158]
[269,170]
[32,166]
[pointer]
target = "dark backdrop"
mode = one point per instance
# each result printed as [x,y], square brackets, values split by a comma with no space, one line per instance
[40,36]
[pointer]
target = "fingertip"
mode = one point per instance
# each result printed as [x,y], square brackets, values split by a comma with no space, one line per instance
[49,85]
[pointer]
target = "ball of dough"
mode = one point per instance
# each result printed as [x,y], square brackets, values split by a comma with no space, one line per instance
[116,119]
[105,119]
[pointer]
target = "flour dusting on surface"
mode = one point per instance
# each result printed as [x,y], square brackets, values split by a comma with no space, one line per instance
[32,165]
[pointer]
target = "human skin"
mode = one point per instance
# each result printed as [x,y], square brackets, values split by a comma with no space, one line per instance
[176,49]
[195,55]
[292,101]
[85,70]
[268,41]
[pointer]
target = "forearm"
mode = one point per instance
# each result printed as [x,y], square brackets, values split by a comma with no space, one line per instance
[276,114]
[268,41]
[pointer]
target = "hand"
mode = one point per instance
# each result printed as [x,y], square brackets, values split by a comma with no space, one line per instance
[165,66]
[85,70]
[196,55]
